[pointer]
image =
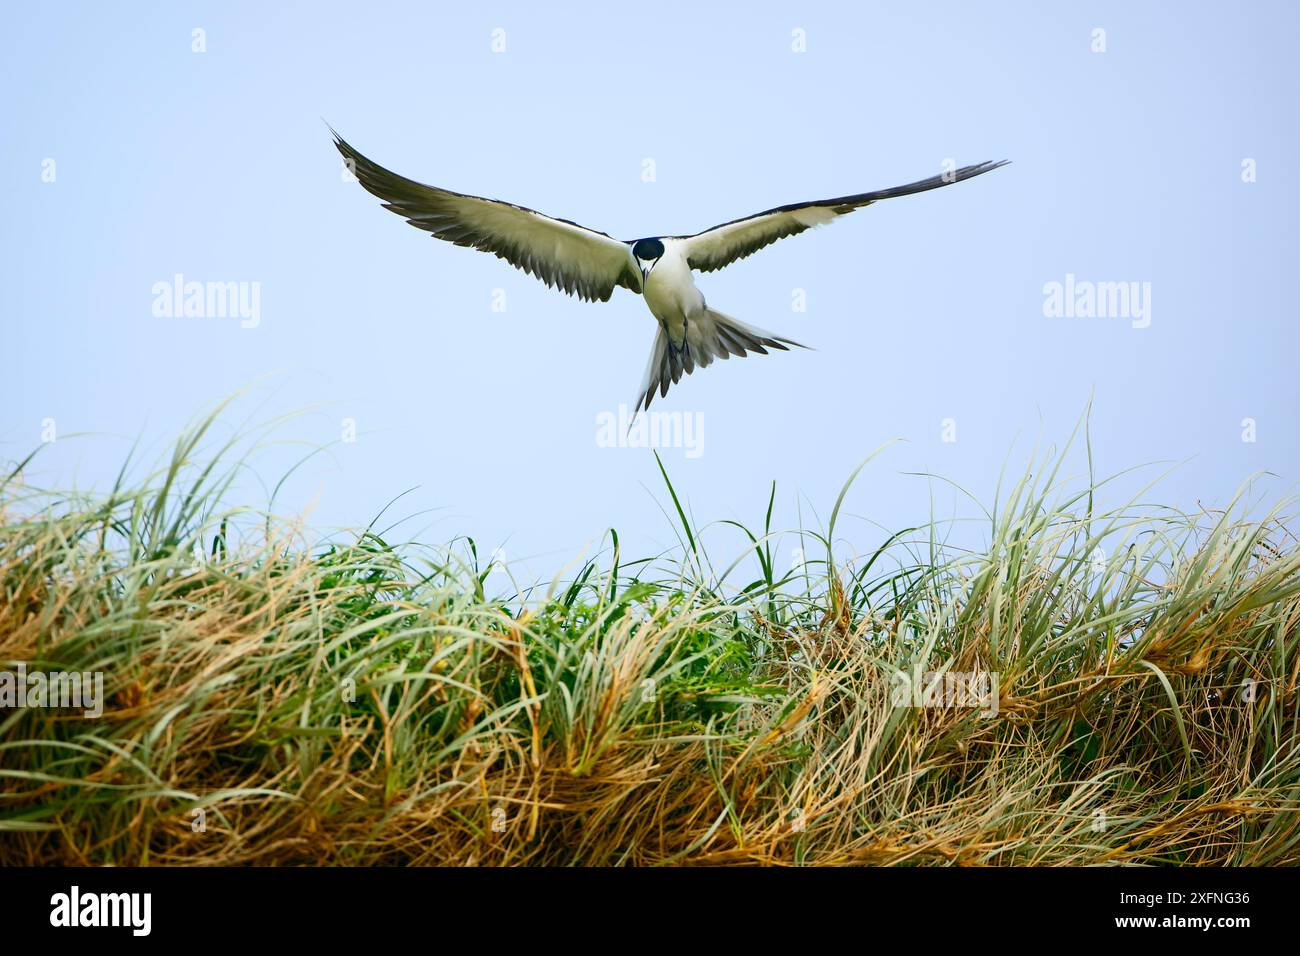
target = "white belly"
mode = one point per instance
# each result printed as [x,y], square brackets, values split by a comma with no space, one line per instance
[670,293]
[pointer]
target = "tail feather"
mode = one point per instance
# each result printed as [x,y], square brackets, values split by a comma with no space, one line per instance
[710,334]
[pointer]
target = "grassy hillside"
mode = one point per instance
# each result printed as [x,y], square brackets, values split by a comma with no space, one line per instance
[269,700]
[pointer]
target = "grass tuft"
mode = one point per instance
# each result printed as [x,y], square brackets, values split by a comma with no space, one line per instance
[269,700]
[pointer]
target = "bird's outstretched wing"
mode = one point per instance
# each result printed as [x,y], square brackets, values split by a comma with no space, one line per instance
[562,254]
[724,244]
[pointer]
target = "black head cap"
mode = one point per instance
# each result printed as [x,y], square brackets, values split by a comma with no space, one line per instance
[648,249]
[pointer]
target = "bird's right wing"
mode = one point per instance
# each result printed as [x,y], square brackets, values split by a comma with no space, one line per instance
[724,244]
[563,254]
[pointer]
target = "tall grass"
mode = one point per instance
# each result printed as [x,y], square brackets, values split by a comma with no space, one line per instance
[272,700]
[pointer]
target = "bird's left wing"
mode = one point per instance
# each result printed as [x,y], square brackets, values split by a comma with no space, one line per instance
[724,244]
[562,254]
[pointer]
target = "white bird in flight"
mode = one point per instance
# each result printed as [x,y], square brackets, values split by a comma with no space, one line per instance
[590,264]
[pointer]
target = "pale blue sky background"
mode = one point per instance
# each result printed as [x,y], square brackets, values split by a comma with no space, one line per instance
[1126,167]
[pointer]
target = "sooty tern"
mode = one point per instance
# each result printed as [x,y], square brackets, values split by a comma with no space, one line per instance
[590,264]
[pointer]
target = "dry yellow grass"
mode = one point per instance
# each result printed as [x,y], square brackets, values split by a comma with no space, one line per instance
[274,703]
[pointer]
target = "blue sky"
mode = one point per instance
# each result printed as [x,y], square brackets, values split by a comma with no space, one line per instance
[1127,167]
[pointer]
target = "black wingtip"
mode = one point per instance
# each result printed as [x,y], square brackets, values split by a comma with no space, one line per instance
[798,345]
[341,144]
[980,168]
[925,185]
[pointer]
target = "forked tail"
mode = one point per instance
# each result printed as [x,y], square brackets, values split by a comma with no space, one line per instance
[709,334]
